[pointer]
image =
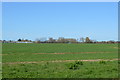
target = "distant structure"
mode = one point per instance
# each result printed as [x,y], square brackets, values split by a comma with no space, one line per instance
[60,40]
[23,41]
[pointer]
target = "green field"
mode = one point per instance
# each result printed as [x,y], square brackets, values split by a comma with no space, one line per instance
[59,60]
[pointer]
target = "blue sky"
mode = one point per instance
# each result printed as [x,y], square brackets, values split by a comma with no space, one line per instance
[31,20]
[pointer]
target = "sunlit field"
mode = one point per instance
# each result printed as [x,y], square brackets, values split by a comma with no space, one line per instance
[58,60]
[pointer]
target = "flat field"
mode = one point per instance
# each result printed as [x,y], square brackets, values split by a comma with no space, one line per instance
[57,60]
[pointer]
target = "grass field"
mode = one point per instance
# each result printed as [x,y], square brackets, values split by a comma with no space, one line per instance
[32,60]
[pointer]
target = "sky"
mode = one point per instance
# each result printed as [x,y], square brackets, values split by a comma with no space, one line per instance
[32,20]
[60,0]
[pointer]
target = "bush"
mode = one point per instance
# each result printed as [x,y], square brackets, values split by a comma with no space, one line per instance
[79,62]
[102,62]
[118,61]
[75,65]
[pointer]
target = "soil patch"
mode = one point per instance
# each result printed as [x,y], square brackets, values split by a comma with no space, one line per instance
[116,47]
[3,54]
[61,61]
[73,53]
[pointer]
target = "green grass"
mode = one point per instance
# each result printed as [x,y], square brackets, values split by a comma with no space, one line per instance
[47,57]
[61,70]
[13,48]
[22,52]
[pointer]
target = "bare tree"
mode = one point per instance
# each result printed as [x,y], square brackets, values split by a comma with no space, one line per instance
[42,39]
[61,39]
[37,40]
[51,40]
[87,40]
[82,39]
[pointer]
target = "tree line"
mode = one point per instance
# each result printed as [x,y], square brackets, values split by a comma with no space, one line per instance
[59,40]
[67,40]
[63,40]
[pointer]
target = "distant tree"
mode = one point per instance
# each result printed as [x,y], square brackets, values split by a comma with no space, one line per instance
[30,40]
[111,41]
[82,39]
[43,39]
[71,40]
[19,40]
[51,40]
[94,41]
[4,40]
[37,40]
[66,40]
[61,39]
[26,40]
[87,40]
[10,40]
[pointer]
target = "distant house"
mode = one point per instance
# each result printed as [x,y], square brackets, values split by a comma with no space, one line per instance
[23,42]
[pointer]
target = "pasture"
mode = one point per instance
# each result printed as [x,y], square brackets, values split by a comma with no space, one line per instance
[57,60]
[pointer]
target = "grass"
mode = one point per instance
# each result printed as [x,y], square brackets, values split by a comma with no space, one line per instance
[22,52]
[50,57]
[13,48]
[61,70]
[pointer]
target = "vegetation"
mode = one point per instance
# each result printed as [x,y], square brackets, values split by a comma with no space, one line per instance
[55,60]
[59,40]
[75,65]
[61,70]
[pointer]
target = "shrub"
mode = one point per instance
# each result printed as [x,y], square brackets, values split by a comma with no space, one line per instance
[118,61]
[79,62]
[75,65]
[102,62]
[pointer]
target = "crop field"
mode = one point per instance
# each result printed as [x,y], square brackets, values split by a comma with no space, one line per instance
[58,60]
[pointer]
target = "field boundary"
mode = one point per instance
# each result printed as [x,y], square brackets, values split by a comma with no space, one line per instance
[93,60]
[74,53]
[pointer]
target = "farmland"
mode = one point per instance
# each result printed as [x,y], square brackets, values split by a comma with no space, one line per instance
[57,60]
